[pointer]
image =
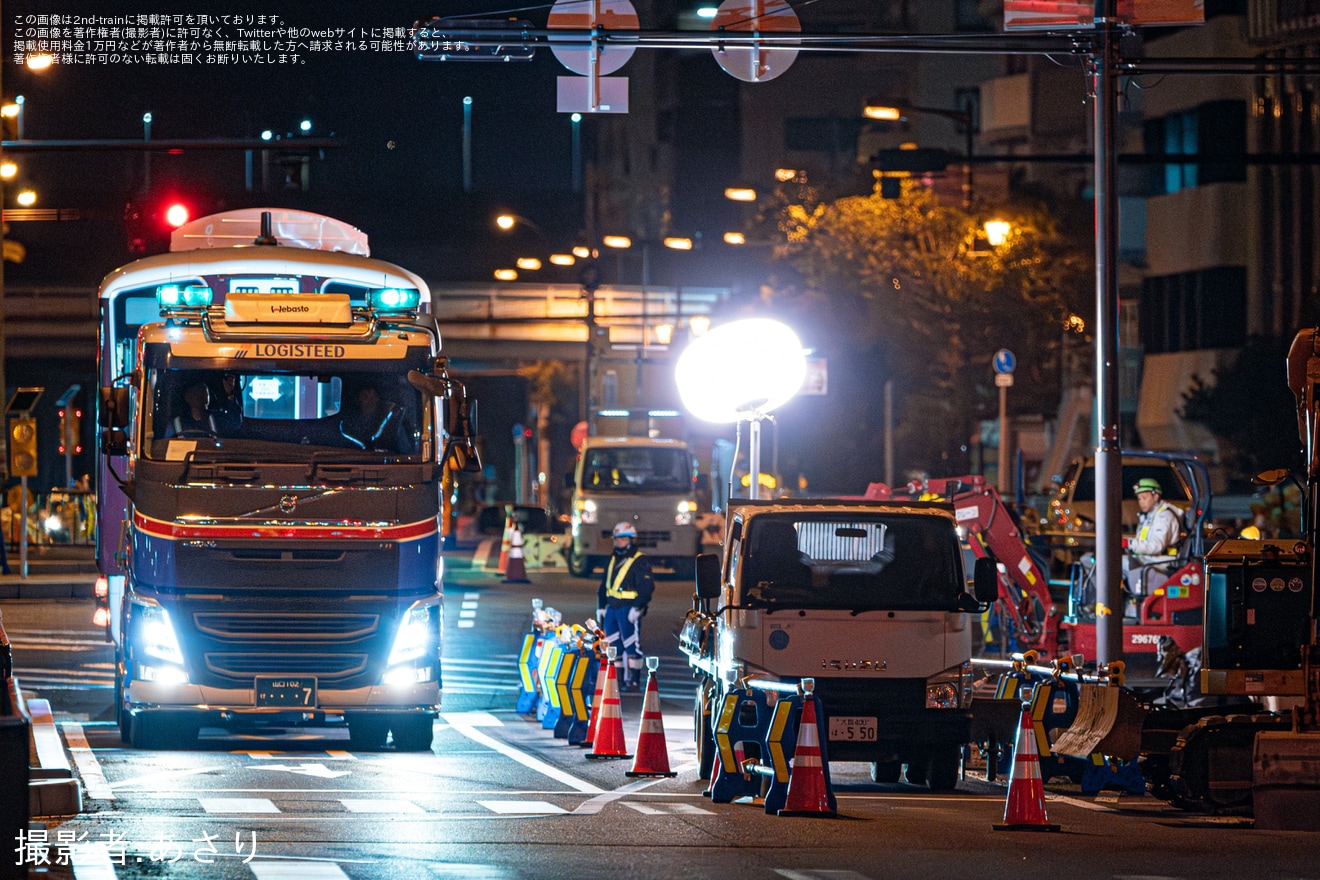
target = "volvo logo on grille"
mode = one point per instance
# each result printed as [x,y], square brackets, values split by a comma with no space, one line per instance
[288,504]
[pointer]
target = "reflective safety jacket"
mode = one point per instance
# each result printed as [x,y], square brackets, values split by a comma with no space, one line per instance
[1157,533]
[627,581]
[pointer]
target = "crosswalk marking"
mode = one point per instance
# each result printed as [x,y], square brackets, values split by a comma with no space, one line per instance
[510,808]
[379,805]
[295,869]
[667,809]
[238,805]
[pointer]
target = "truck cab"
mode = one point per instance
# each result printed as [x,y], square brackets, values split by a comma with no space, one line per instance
[647,481]
[868,598]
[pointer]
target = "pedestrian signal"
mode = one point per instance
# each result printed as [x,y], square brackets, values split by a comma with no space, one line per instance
[70,430]
[23,447]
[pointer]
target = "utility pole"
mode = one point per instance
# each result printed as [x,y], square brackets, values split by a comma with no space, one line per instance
[1108,456]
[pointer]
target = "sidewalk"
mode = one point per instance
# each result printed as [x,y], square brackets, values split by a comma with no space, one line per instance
[55,571]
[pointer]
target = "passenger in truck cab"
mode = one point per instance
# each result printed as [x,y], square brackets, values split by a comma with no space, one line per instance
[227,404]
[370,421]
[194,417]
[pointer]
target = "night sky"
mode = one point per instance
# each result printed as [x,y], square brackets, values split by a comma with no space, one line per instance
[398,176]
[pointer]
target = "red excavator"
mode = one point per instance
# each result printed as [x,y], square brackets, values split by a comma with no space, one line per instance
[1170,604]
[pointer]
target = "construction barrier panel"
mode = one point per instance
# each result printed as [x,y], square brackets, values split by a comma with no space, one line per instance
[742,717]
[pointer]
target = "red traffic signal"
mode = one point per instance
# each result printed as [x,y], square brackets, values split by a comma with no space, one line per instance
[176,214]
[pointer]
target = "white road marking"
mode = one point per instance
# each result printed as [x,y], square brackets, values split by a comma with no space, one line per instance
[238,805]
[532,808]
[472,719]
[466,624]
[153,778]
[309,769]
[296,870]
[525,759]
[88,767]
[667,809]
[466,615]
[379,805]
[471,604]
[91,861]
[820,874]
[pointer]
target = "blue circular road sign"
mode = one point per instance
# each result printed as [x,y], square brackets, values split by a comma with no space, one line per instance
[1004,361]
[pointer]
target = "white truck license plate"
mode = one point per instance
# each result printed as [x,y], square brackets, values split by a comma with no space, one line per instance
[852,728]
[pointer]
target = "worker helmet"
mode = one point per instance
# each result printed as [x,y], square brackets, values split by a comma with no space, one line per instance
[1148,484]
[625,530]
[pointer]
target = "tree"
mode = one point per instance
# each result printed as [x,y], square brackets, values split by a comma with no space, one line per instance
[908,290]
[1254,383]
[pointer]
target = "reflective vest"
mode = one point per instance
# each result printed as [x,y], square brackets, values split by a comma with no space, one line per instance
[615,581]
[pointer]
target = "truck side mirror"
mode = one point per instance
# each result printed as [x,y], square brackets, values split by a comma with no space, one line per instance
[985,581]
[708,576]
[113,411]
[114,442]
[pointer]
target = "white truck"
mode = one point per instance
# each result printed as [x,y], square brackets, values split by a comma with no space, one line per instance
[648,481]
[869,599]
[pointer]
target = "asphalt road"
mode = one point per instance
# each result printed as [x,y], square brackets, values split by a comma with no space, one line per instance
[499,797]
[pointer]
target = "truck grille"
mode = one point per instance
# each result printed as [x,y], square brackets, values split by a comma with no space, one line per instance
[644,539]
[264,627]
[330,669]
[279,635]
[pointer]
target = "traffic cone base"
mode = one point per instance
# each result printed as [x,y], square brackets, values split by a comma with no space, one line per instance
[609,743]
[652,755]
[808,791]
[1024,809]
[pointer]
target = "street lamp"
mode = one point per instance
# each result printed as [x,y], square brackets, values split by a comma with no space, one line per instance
[742,372]
[895,110]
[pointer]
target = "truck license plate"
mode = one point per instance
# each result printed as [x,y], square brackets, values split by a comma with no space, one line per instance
[852,728]
[278,690]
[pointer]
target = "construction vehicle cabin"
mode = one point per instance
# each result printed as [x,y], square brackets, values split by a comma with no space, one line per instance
[277,426]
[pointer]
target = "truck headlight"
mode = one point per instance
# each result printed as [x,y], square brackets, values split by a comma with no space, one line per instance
[157,634]
[413,636]
[941,696]
[686,510]
[950,689]
[586,509]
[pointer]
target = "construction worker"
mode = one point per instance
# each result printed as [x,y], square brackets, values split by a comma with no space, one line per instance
[621,602]
[1159,528]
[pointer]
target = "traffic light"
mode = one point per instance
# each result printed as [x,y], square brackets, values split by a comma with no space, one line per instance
[149,221]
[70,430]
[23,447]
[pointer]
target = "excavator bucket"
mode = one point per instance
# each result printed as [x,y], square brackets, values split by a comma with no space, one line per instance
[1108,723]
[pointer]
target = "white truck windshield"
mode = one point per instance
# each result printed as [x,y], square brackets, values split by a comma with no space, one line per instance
[286,413]
[890,562]
[637,469]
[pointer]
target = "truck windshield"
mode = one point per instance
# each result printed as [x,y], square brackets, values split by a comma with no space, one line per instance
[282,414]
[858,564]
[637,469]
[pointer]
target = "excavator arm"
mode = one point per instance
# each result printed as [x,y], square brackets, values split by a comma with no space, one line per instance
[1024,589]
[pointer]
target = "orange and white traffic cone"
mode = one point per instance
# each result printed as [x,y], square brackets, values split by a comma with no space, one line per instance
[608,742]
[1025,807]
[516,571]
[652,754]
[505,544]
[808,790]
[601,675]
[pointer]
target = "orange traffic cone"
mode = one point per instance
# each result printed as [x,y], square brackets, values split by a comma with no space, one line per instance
[505,543]
[1025,808]
[601,675]
[608,742]
[516,572]
[652,755]
[808,791]
[716,768]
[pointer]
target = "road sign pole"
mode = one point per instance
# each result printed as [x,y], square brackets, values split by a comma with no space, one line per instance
[1003,481]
